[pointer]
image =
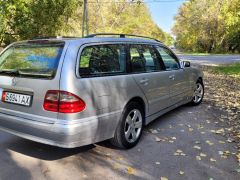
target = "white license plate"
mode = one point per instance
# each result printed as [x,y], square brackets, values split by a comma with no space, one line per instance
[15,98]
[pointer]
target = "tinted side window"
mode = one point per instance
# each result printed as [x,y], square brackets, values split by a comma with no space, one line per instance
[143,58]
[170,61]
[102,59]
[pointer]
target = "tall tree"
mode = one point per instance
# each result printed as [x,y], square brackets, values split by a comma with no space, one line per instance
[24,19]
[31,18]
[208,26]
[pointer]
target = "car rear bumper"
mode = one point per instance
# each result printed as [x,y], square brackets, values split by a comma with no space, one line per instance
[87,131]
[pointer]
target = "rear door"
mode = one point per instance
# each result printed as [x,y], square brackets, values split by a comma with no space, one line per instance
[27,71]
[178,80]
[148,73]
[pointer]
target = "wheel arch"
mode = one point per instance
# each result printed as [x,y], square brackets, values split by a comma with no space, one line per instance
[142,103]
[200,79]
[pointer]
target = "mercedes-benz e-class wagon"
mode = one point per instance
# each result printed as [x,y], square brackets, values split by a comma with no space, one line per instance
[70,92]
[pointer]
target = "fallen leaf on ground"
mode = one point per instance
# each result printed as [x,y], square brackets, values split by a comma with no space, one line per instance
[221,142]
[238,170]
[197,147]
[238,156]
[190,129]
[153,131]
[198,158]
[181,172]
[212,160]
[130,170]
[179,152]
[209,142]
[219,131]
[203,155]
[158,163]
[230,140]
[164,178]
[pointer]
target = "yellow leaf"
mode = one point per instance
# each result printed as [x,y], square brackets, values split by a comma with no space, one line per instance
[198,158]
[130,170]
[203,155]
[221,142]
[209,143]
[164,178]
[238,157]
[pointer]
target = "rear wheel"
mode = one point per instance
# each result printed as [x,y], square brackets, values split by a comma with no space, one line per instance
[130,127]
[198,94]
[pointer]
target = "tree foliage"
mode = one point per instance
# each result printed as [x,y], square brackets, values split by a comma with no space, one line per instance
[208,26]
[112,17]
[25,19]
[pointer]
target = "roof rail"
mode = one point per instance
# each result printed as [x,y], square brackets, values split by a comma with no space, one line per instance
[120,35]
[54,37]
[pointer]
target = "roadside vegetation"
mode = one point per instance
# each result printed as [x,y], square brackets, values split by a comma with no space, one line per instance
[233,69]
[26,19]
[222,93]
[208,26]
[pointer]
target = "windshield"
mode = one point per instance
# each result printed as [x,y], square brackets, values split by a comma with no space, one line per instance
[31,59]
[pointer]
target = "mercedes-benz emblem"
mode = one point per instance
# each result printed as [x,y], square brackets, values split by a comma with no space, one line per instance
[14,81]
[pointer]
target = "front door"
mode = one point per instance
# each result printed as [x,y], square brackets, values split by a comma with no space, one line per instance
[150,76]
[178,80]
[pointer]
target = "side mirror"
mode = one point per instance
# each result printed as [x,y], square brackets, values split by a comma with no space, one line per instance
[186,64]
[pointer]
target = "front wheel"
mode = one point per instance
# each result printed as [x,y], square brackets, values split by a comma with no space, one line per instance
[198,94]
[130,127]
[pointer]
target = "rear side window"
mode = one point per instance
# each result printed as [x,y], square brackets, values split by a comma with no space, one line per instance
[31,59]
[100,60]
[169,60]
[143,58]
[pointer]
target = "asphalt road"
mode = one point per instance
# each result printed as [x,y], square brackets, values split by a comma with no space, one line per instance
[211,59]
[179,145]
[171,147]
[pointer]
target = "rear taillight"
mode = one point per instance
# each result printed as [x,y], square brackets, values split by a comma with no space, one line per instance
[3,96]
[63,102]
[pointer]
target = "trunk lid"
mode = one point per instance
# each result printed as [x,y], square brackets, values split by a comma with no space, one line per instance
[30,69]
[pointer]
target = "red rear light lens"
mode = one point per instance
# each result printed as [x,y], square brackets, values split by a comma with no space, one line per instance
[3,96]
[63,102]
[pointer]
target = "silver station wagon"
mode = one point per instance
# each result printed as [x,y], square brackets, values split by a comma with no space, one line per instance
[70,92]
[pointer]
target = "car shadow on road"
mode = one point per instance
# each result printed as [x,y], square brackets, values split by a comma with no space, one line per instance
[44,152]
[51,153]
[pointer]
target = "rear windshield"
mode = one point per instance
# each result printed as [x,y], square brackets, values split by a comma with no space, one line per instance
[39,60]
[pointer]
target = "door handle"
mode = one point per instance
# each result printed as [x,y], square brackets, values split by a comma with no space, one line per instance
[172,77]
[144,81]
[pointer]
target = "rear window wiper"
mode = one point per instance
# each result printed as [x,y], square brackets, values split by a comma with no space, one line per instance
[28,72]
[36,72]
[9,72]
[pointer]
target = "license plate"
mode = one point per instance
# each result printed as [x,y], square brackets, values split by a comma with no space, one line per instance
[15,98]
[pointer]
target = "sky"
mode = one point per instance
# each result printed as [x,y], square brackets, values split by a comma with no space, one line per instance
[163,13]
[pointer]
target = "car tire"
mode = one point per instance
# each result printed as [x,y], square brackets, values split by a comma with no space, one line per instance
[130,127]
[198,94]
